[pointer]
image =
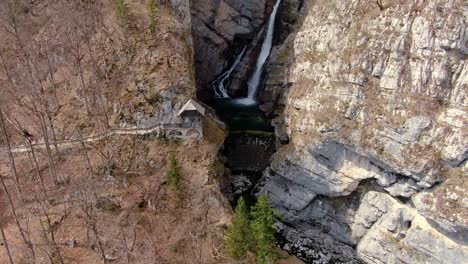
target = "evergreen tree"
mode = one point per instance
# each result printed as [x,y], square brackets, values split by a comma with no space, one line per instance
[239,236]
[153,14]
[264,231]
[174,176]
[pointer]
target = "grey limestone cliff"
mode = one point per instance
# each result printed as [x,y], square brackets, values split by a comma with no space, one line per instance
[372,98]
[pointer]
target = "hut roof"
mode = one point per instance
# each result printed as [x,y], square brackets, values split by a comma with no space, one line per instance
[192,105]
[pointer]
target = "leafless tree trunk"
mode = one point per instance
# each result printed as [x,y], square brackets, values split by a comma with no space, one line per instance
[10,154]
[51,77]
[51,242]
[42,111]
[89,168]
[36,166]
[106,155]
[12,12]
[98,85]
[83,85]
[129,245]
[49,152]
[78,57]
[47,105]
[7,246]
[54,136]
[14,89]
[31,154]
[25,238]
[44,103]
[87,207]
[127,249]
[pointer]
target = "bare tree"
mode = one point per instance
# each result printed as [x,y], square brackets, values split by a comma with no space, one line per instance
[14,89]
[87,162]
[74,40]
[28,139]
[10,154]
[51,76]
[7,245]
[11,24]
[128,244]
[48,150]
[43,51]
[23,233]
[51,242]
[38,104]
[97,84]
[86,198]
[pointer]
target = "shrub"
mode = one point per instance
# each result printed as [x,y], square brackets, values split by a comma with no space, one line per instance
[121,9]
[153,15]
[107,205]
[174,176]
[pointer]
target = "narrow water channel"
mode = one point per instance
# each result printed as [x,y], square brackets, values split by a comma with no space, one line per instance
[251,140]
[248,147]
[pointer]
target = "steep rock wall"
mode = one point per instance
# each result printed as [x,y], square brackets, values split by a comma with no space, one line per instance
[216,24]
[372,101]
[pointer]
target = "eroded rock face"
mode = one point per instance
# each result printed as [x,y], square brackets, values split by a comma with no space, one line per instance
[215,25]
[401,235]
[373,101]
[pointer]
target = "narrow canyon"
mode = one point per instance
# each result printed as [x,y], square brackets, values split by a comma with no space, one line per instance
[131,129]
[366,157]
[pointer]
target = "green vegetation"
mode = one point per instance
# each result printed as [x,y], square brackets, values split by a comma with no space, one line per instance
[153,14]
[107,205]
[239,238]
[174,176]
[256,234]
[121,9]
[264,231]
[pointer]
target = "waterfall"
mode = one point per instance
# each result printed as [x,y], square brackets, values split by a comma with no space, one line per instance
[219,84]
[254,80]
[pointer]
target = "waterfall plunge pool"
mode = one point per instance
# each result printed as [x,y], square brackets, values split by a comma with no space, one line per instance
[241,117]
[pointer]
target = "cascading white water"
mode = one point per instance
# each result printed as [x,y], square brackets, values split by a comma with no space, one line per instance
[254,80]
[219,84]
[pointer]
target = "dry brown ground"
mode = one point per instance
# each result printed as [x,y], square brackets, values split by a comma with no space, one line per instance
[160,224]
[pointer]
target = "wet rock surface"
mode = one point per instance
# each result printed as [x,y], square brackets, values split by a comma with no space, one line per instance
[216,24]
[369,100]
[241,184]
[249,152]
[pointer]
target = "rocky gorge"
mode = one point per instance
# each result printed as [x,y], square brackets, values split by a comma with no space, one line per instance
[369,100]
[356,129]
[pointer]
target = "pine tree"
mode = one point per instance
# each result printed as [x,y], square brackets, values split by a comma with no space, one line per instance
[153,14]
[174,175]
[239,236]
[264,231]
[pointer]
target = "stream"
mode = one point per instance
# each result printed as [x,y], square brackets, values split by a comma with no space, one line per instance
[251,139]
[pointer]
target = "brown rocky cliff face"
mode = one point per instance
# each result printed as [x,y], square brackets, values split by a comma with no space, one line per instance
[374,102]
[113,200]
